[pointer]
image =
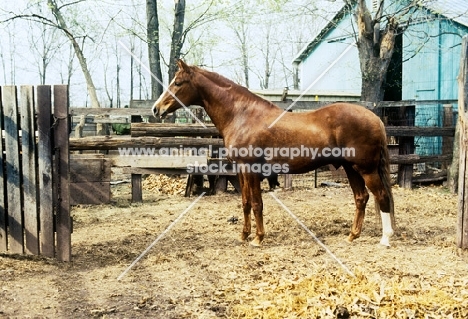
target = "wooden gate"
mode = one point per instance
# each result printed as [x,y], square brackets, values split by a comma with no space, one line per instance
[34,178]
[462,232]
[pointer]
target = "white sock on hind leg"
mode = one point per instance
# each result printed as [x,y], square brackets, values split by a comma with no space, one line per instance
[387,230]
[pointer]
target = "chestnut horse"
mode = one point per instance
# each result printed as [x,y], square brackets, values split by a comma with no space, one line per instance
[261,135]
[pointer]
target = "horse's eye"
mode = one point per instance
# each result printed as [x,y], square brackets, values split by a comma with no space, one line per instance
[177,83]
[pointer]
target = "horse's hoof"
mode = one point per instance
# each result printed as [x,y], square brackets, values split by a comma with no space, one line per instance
[256,242]
[351,238]
[385,241]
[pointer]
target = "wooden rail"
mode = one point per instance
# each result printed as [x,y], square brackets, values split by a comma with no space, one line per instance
[144,108]
[151,135]
[162,135]
[164,130]
[115,142]
[145,105]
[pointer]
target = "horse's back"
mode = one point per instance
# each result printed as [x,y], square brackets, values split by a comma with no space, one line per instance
[354,126]
[345,111]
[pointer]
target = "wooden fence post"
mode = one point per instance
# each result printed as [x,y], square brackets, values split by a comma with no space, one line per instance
[13,170]
[62,158]
[3,212]
[406,146]
[447,141]
[28,150]
[462,229]
[46,209]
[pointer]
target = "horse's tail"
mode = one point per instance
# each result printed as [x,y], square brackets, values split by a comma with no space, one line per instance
[384,174]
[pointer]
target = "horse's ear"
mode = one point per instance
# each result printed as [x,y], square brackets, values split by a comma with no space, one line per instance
[183,66]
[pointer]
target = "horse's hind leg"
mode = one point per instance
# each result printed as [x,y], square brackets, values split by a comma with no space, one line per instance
[384,203]
[361,196]
[246,205]
[257,207]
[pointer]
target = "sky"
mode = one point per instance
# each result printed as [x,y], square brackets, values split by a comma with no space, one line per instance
[107,30]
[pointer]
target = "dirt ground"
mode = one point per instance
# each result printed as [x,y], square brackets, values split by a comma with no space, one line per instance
[198,269]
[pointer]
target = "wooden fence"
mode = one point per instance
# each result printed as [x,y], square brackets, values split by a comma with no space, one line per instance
[34,186]
[462,229]
[36,178]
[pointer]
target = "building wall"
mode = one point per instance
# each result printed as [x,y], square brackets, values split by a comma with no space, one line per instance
[344,76]
[431,74]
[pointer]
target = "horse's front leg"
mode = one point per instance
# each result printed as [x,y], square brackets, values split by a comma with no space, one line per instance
[257,207]
[246,206]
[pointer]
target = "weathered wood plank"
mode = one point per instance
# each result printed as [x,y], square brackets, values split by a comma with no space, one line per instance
[46,209]
[62,156]
[144,105]
[447,141]
[111,120]
[119,142]
[28,149]
[157,161]
[77,111]
[410,159]
[92,193]
[462,223]
[169,171]
[165,130]
[137,189]
[90,170]
[3,208]
[462,226]
[13,170]
[419,131]
[287,181]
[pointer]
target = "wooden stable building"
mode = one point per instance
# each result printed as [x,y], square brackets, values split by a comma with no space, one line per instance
[424,66]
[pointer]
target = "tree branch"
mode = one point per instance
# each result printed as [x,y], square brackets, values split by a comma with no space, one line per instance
[70,4]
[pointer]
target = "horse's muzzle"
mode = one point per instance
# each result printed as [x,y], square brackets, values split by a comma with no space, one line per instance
[159,114]
[155,112]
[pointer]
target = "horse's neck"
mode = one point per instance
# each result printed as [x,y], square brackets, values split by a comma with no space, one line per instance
[227,101]
[219,102]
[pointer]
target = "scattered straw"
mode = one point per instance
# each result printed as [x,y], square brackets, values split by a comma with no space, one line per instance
[337,295]
[163,184]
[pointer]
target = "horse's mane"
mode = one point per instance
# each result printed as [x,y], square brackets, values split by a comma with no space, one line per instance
[225,82]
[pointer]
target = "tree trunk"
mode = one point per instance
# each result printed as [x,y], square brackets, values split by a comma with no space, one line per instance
[177,43]
[266,81]
[245,60]
[375,49]
[153,48]
[132,47]
[79,53]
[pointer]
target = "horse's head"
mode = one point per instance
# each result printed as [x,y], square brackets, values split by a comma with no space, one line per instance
[179,93]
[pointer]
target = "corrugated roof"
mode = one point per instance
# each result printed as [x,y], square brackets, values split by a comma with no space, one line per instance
[304,52]
[456,10]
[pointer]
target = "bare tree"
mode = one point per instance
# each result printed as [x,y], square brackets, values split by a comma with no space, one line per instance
[177,37]
[62,25]
[8,56]
[198,18]
[45,47]
[240,26]
[269,52]
[153,48]
[375,48]
[376,34]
